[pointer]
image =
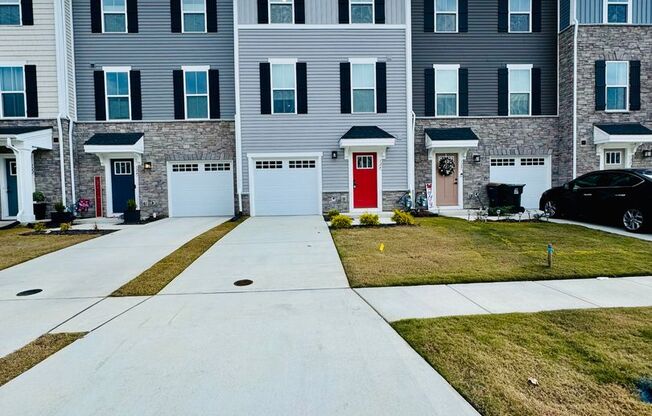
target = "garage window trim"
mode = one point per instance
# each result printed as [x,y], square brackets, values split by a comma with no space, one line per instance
[503,162]
[10,13]
[617,88]
[117,92]
[12,92]
[269,164]
[520,90]
[195,87]
[363,85]
[446,90]
[284,86]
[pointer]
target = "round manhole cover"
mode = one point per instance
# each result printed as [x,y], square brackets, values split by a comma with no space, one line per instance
[29,292]
[243,282]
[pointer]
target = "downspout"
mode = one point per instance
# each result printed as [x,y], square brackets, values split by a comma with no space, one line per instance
[411,117]
[72,161]
[238,135]
[62,162]
[575,34]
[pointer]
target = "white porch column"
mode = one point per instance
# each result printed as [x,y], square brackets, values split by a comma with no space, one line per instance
[25,182]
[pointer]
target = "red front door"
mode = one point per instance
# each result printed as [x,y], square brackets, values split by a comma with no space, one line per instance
[365,180]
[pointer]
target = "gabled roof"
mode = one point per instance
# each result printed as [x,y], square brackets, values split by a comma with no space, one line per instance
[114,139]
[366,132]
[459,133]
[10,131]
[625,129]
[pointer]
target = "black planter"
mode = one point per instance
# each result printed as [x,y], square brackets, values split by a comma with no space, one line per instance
[58,218]
[131,217]
[40,210]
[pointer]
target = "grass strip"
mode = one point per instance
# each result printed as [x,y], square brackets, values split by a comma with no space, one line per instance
[21,360]
[154,279]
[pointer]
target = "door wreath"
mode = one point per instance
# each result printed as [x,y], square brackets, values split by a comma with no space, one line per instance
[446,166]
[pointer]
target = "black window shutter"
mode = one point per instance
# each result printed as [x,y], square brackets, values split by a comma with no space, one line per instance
[343,11]
[429,16]
[536,91]
[634,85]
[536,15]
[31,91]
[302,88]
[600,85]
[100,106]
[299,12]
[379,11]
[211,16]
[214,92]
[345,87]
[27,12]
[175,16]
[463,16]
[265,88]
[381,87]
[179,95]
[132,16]
[262,11]
[503,15]
[430,91]
[503,92]
[136,96]
[96,16]
[464,91]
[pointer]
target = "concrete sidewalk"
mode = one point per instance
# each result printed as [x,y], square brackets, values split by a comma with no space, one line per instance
[406,302]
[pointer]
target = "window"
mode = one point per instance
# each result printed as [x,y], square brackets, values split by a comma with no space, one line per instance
[613,157]
[194,15]
[269,164]
[520,89]
[13,168]
[10,12]
[503,162]
[622,179]
[196,89]
[588,181]
[12,91]
[114,16]
[617,86]
[362,11]
[283,88]
[363,84]
[281,11]
[122,168]
[446,90]
[185,167]
[364,162]
[445,15]
[617,11]
[520,13]
[217,167]
[302,164]
[533,161]
[117,95]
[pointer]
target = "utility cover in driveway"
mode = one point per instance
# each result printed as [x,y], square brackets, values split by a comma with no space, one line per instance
[201,189]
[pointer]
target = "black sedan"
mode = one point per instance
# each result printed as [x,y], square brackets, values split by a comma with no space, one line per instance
[616,196]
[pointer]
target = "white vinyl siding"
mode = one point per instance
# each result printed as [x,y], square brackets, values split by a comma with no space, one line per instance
[445,15]
[520,90]
[617,89]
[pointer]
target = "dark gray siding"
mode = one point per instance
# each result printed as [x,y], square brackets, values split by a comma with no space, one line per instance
[564,14]
[155,51]
[483,50]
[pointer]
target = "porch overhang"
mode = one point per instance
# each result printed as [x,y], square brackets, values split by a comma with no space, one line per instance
[366,138]
[31,138]
[623,133]
[115,143]
[454,140]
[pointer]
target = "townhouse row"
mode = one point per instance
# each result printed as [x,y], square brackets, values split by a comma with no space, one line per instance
[294,107]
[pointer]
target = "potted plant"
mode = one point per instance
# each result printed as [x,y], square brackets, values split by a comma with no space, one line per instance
[131,214]
[60,215]
[40,206]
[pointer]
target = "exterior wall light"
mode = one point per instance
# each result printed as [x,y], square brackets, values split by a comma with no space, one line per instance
[647,153]
[334,154]
[147,165]
[476,158]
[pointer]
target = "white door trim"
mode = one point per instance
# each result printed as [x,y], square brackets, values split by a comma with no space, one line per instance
[380,155]
[4,196]
[105,161]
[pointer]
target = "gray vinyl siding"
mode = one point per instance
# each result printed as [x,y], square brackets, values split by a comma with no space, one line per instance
[590,11]
[323,126]
[156,52]
[483,50]
[320,12]
[642,12]
[564,14]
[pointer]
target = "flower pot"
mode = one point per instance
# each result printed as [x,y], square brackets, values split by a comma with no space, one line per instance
[40,210]
[131,217]
[58,218]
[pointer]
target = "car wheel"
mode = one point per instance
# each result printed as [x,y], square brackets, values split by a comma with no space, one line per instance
[550,208]
[633,219]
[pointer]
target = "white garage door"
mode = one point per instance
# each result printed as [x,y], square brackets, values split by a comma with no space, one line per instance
[534,172]
[286,186]
[200,189]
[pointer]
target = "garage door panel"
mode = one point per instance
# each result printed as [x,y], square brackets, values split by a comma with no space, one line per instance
[201,189]
[286,187]
[534,172]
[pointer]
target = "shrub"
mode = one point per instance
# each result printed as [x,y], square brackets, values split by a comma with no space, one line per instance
[332,213]
[39,227]
[341,221]
[402,218]
[369,219]
[131,205]
[59,207]
[66,226]
[38,196]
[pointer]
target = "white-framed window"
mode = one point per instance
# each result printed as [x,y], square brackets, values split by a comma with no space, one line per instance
[217,167]
[12,92]
[114,16]
[269,164]
[533,161]
[193,16]
[520,90]
[10,12]
[520,16]
[302,164]
[613,157]
[617,89]
[281,11]
[617,11]
[13,168]
[362,11]
[364,162]
[446,90]
[122,168]
[284,87]
[185,167]
[363,86]
[445,15]
[503,161]
[118,99]
[195,81]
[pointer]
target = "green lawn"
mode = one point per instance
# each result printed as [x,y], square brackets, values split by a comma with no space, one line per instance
[449,250]
[587,362]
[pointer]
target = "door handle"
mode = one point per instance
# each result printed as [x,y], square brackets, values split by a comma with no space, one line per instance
[620,195]
[588,194]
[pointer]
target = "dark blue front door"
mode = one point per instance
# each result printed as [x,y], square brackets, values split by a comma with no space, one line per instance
[12,187]
[122,183]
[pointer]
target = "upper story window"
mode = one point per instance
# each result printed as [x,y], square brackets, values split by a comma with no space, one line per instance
[363,86]
[12,91]
[194,15]
[114,16]
[617,85]
[445,15]
[281,11]
[618,11]
[283,88]
[520,90]
[9,12]
[196,92]
[446,90]
[117,94]
[362,11]
[520,16]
